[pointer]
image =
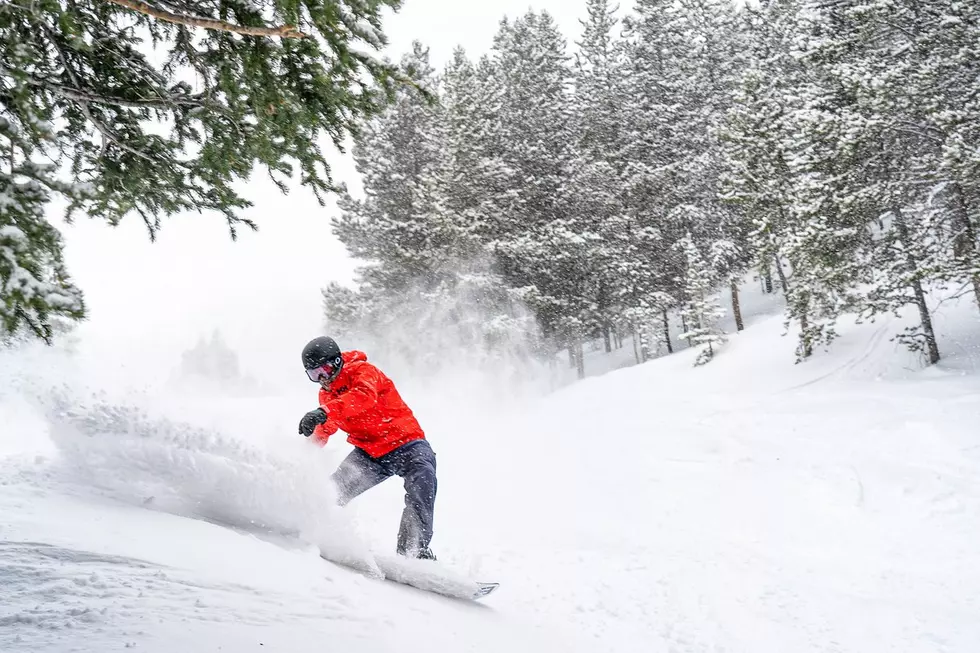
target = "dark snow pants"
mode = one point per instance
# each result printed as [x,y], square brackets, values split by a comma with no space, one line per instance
[415,462]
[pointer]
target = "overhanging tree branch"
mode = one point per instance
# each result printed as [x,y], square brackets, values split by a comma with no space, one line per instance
[167,102]
[284,31]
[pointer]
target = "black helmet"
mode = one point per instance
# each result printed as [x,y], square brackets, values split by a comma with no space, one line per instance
[320,352]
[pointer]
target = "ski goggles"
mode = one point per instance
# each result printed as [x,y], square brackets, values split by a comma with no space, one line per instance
[317,373]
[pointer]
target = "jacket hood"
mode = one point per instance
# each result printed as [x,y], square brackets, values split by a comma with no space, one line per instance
[348,357]
[353,356]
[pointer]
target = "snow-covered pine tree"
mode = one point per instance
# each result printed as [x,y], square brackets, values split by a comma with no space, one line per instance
[35,288]
[948,113]
[709,66]
[599,99]
[729,262]
[472,173]
[564,288]
[534,76]
[905,258]
[396,227]
[682,59]
[535,149]
[872,75]
[593,193]
[595,211]
[470,184]
[825,239]
[424,221]
[89,115]
[756,177]
[844,148]
[648,148]
[701,309]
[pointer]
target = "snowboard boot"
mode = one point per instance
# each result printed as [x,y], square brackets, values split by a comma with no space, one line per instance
[424,553]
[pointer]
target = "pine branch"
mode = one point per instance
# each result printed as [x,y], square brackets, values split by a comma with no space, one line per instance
[284,31]
[107,134]
[69,93]
[964,290]
[168,102]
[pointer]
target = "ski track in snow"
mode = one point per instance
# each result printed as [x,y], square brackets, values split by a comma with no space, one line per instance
[750,506]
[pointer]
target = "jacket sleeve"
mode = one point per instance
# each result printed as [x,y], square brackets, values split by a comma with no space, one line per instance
[363,394]
[322,433]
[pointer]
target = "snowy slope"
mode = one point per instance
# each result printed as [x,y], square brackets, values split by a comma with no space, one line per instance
[747,506]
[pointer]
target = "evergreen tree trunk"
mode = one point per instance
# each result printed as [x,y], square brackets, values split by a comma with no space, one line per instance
[636,347]
[767,279]
[670,346]
[684,329]
[607,338]
[781,273]
[920,299]
[805,339]
[737,307]
[965,243]
[916,283]
[644,343]
[571,355]
[580,359]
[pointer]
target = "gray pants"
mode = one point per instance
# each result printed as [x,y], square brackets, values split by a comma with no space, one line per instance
[415,462]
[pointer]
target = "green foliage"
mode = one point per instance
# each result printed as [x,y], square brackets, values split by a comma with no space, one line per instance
[118,112]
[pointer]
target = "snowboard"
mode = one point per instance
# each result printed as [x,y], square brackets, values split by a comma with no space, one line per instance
[425,575]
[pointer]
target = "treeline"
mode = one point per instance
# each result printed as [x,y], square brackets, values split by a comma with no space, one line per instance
[830,148]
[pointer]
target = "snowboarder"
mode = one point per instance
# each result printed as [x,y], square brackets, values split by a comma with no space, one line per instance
[356,397]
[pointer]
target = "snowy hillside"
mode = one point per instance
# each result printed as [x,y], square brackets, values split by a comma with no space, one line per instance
[747,506]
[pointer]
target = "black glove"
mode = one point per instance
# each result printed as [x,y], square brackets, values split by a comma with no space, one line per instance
[311,420]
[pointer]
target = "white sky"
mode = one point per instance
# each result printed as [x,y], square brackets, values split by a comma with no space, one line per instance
[444,24]
[149,302]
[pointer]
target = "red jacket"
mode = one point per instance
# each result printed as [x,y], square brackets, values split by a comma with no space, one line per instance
[364,403]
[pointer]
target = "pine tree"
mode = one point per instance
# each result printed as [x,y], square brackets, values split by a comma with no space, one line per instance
[755,135]
[35,288]
[534,149]
[904,260]
[228,87]
[396,226]
[682,62]
[593,194]
[599,97]
[701,309]
[470,185]
[942,36]
[709,67]
[423,224]
[872,156]
[808,221]
[649,149]
[534,76]
[468,170]
[947,85]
